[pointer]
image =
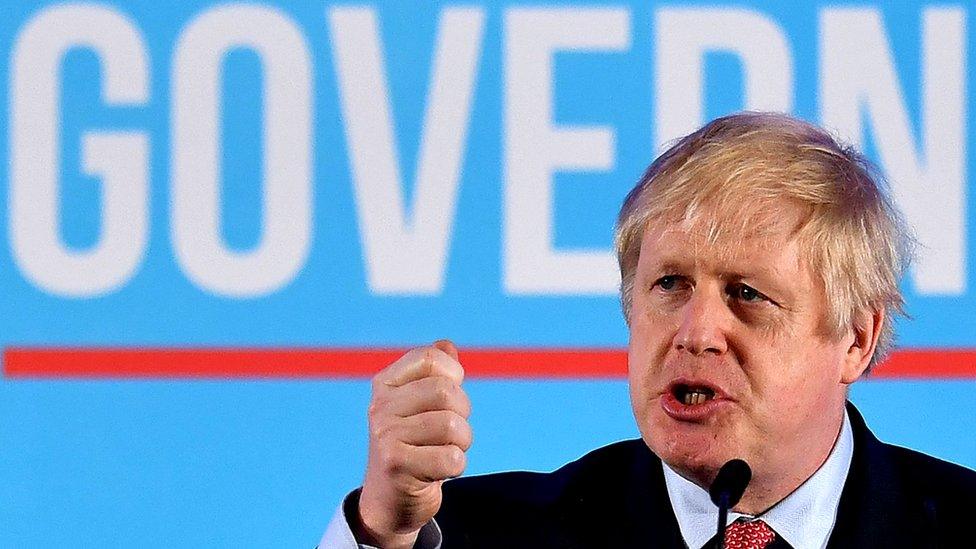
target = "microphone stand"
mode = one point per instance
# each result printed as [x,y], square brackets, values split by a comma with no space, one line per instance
[723,517]
[726,490]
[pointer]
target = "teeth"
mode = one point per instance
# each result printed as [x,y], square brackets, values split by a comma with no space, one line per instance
[694,397]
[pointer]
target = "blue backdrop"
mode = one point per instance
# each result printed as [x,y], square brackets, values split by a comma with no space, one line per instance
[383,175]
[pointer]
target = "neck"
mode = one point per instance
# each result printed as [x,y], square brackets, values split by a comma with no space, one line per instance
[774,482]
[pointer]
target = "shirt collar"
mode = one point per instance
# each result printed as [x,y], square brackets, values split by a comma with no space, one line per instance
[804,518]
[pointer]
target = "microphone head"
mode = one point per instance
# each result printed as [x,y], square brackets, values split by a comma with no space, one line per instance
[731,481]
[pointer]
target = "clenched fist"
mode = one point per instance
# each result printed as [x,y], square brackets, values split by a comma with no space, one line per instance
[418,433]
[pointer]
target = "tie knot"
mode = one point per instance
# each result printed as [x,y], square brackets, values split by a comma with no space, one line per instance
[748,535]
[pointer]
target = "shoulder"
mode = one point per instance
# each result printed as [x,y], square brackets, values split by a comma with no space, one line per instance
[939,482]
[897,497]
[933,494]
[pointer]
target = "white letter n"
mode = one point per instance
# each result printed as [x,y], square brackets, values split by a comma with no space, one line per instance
[927,182]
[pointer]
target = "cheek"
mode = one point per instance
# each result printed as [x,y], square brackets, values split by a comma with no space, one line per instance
[645,353]
[637,376]
[641,368]
[651,327]
[798,388]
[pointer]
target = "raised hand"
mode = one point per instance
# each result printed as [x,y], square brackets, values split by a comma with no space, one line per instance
[418,433]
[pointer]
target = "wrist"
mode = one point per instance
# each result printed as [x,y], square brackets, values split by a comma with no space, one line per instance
[365,531]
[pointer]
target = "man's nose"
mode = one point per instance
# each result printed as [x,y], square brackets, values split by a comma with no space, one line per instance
[704,320]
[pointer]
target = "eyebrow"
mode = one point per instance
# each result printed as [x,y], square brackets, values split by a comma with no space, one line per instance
[673,266]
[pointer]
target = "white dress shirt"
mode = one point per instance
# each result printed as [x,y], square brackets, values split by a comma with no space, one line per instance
[804,518]
[338,535]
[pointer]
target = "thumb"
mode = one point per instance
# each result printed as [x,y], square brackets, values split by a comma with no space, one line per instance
[448,347]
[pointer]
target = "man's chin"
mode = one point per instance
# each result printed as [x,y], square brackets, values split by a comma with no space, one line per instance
[697,466]
[696,454]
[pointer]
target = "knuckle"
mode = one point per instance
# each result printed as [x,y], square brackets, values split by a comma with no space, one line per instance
[438,423]
[443,389]
[452,423]
[377,382]
[413,355]
[391,461]
[376,430]
[467,436]
[374,408]
[454,461]
[378,405]
[465,404]
[384,431]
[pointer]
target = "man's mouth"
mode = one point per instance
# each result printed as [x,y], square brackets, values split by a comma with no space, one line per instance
[693,400]
[691,395]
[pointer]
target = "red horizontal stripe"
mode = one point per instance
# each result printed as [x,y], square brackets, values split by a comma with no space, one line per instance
[938,363]
[47,362]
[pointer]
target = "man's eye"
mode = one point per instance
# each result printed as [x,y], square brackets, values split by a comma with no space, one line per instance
[746,293]
[668,283]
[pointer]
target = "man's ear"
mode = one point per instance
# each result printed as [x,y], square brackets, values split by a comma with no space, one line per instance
[867,330]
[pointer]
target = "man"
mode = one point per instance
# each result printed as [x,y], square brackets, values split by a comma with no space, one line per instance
[760,263]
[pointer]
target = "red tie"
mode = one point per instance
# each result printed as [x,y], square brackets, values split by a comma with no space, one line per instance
[748,535]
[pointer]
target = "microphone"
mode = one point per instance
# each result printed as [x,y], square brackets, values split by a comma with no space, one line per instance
[726,490]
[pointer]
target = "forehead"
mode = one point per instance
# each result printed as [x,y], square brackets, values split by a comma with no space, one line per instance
[764,242]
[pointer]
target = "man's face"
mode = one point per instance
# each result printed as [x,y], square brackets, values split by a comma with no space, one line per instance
[728,354]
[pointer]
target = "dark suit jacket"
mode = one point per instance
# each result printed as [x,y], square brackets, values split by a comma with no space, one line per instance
[616,497]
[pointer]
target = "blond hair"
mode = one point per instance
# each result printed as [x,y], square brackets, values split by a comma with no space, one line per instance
[739,167]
